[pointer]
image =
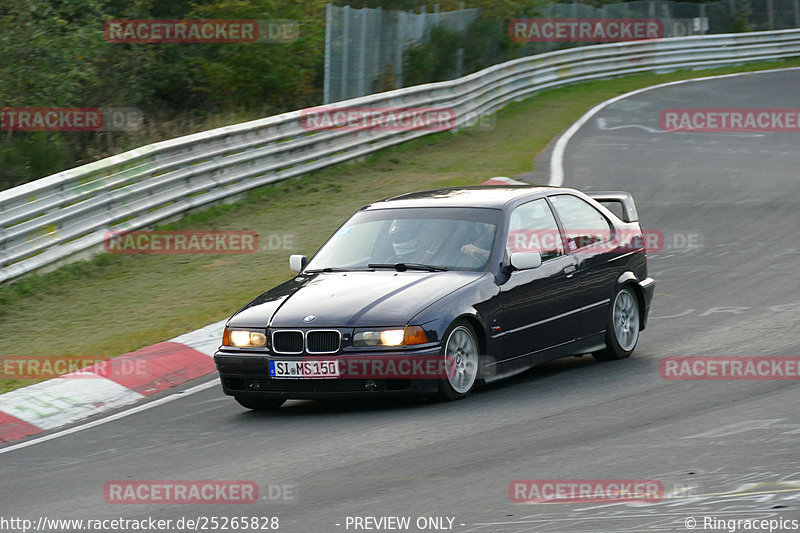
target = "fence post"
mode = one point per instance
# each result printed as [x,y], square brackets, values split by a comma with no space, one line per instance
[401,41]
[378,48]
[796,5]
[667,17]
[732,5]
[702,19]
[771,14]
[362,67]
[326,89]
[345,49]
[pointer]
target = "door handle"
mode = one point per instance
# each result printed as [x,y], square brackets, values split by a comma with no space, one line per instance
[569,270]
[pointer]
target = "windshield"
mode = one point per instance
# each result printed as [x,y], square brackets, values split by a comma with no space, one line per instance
[446,238]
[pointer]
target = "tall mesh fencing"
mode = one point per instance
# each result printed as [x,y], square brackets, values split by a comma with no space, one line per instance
[364,48]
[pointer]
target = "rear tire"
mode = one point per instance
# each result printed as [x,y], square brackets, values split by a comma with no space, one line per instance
[622,328]
[461,353]
[260,404]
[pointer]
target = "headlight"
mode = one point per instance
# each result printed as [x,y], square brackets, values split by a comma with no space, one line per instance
[391,337]
[244,338]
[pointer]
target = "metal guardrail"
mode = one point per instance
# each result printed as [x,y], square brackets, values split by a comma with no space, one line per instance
[67,215]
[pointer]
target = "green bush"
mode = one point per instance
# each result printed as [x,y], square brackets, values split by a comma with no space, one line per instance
[54,54]
[24,154]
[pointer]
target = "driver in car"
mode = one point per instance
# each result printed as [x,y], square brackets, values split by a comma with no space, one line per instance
[405,240]
[438,248]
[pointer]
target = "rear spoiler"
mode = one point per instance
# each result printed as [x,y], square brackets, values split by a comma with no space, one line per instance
[629,213]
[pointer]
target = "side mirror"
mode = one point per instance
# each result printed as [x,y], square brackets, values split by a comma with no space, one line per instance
[526,260]
[297,262]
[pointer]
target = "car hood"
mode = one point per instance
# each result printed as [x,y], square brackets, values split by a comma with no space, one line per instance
[352,299]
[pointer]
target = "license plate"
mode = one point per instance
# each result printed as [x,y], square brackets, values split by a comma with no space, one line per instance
[304,369]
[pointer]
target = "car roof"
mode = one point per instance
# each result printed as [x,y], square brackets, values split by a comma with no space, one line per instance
[488,196]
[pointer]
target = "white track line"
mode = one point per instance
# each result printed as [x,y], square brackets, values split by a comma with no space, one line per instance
[115,416]
[557,157]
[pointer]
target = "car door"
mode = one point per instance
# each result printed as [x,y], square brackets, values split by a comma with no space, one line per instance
[588,236]
[539,303]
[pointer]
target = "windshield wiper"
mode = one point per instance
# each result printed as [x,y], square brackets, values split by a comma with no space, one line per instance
[402,267]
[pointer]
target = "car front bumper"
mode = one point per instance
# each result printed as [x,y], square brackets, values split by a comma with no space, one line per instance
[247,376]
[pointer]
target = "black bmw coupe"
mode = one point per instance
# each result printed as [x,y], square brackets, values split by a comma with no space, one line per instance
[433,293]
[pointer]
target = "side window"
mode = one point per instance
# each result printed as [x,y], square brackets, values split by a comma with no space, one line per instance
[583,224]
[533,229]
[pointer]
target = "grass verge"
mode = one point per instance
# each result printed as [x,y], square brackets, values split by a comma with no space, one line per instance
[114,304]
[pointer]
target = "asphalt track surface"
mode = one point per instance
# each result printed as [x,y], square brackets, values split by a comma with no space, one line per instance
[727,449]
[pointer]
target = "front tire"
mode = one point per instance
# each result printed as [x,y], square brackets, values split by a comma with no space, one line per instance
[622,329]
[260,404]
[461,353]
